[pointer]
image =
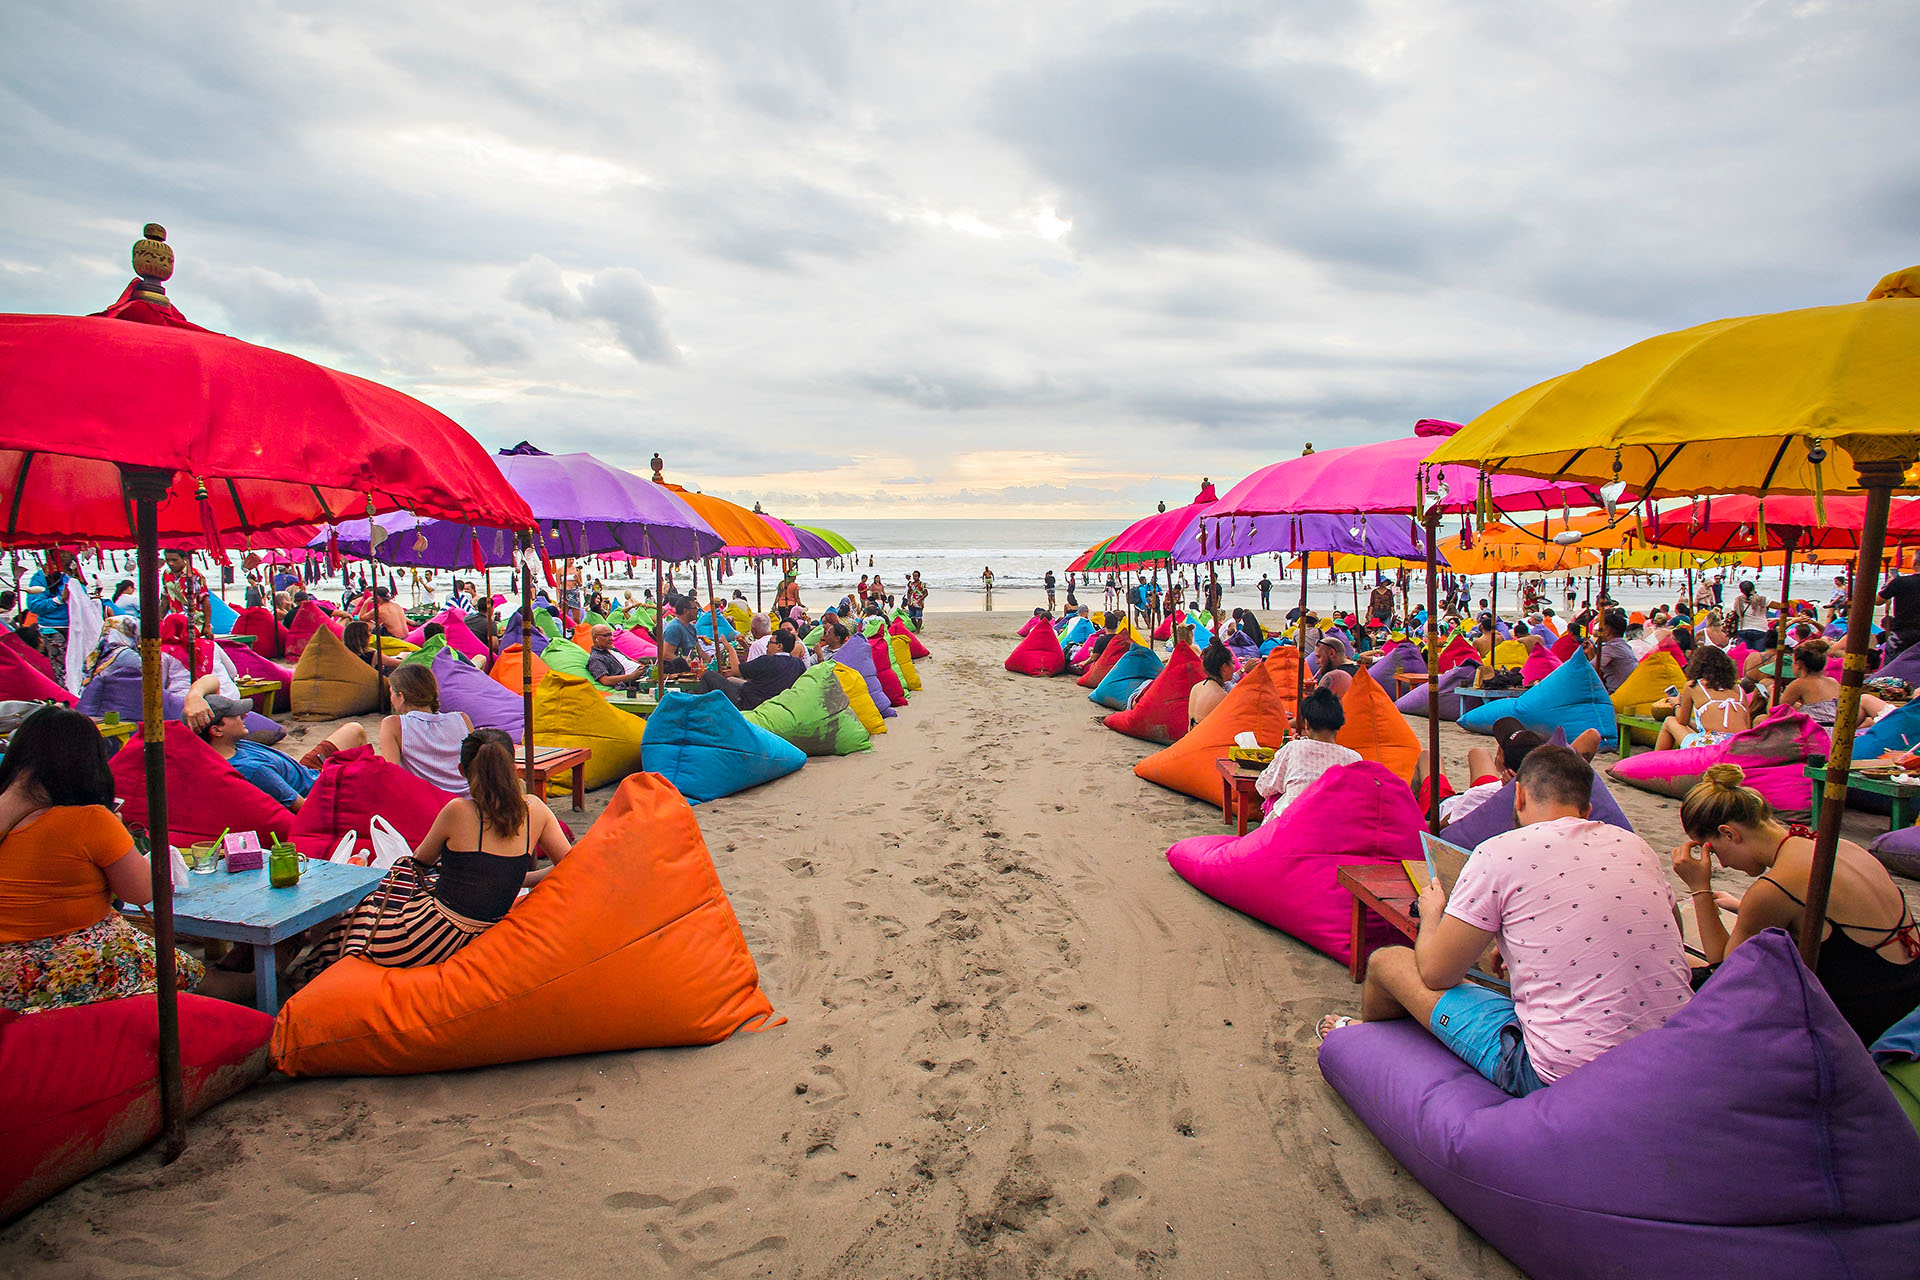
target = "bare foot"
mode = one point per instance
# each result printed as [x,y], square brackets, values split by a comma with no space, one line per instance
[1332,1023]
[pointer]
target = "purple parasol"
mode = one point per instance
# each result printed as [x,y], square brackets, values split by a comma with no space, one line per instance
[583,507]
[1237,537]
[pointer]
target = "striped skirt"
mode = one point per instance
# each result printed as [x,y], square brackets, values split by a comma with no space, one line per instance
[399,925]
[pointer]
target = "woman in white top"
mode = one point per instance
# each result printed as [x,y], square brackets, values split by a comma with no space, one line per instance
[1299,764]
[419,736]
[1712,707]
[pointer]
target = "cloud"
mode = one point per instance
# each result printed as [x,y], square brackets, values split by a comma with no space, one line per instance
[620,296]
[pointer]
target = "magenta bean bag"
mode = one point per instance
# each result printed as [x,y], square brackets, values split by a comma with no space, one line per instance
[263,626]
[635,645]
[1660,1157]
[1401,655]
[21,679]
[1540,664]
[1080,654]
[1284,873]
[252,666]
[1039,654]
[916,649]
[1414,701]
[355,785]
[1774,754]
[460,636]
[1026,628]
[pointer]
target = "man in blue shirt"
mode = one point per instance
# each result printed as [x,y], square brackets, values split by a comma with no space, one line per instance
[279,775]
[679,647]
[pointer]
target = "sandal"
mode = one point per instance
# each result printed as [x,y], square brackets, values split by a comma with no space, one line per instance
[1334,1022]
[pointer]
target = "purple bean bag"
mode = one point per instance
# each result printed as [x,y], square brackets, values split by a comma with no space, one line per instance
[1452,680]
[1750,1136]
[487,702]
[1284,872]
[1774,754]
[858,654]
[1904,664]
[118,689]
[1401,655]
[513,634]
[1494,815]
[1899,852]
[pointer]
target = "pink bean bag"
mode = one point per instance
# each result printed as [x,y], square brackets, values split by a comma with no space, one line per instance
[460,637]
[1084,650]
[1284,873]
[1774,754]
[1039,654]
[252,666]
[307,619]
[1026,628]
[353,787]
[1539,665]
[637,646]
[890,675]
[265,629]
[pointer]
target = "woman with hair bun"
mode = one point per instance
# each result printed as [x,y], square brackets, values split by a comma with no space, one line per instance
[462,877]
[1869,950]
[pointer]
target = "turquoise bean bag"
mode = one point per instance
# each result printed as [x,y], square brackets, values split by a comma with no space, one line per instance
[1078,632]
[1137,666]
[1898,730]
[703,745]
[1571,699]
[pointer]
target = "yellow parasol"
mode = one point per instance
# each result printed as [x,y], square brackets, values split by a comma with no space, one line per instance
[1816,401]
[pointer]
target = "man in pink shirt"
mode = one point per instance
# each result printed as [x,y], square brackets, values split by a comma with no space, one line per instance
[1585,921]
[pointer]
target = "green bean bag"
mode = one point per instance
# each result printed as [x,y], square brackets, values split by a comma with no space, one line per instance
[424,655]
[565,655]
[544,620]
[814,715]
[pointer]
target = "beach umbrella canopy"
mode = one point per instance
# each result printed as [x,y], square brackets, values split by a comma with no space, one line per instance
[1152,539]
[1598,531]
[1084,561]
[271,440]
[1380,537]
[581,506]
[839,545]
[1777,403]
[741,531]
[1813,401]
[1736,523]
[806,546]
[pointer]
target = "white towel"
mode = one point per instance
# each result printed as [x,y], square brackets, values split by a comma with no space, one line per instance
[84,615]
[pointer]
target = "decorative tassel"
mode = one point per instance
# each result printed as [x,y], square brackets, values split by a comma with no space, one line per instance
[333,551]
[208,525]
[1760,527]
[479,557]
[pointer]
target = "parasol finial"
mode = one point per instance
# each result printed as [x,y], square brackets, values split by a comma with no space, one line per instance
[153,263]
[659,470]
[1309,449]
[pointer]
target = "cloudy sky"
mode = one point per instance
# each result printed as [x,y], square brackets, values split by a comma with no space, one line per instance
[967,259]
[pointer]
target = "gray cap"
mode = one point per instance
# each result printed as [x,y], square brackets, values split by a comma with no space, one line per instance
[222,706]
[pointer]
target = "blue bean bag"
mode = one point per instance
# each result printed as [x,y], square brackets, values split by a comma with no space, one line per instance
[1898,730]
[1572,698]
[221,615]
[1807,1162]
[703,745]
[1414,701]
[1137,667]
[858,654]
[706,626]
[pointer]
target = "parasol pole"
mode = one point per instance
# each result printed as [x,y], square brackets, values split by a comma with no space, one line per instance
[493,623]
[146,487]
[1882,463]
[1432,523]
[713,606]
[1786,596]
[1300,631]
[659,632]
[526,653]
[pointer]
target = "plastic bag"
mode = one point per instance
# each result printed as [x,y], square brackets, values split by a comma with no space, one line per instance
[389,846]
[345,850]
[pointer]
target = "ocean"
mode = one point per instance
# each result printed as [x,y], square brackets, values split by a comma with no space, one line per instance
[950,555]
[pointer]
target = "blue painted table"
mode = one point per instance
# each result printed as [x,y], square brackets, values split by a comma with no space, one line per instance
[1473,697]
[240,906]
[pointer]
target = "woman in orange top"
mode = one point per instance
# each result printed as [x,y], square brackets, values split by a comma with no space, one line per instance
[64,857]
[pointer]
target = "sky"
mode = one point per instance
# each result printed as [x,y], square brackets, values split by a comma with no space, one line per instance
[968,259]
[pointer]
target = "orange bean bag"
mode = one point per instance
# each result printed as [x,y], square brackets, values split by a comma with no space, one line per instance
[1097,669]
[1160,713]
[329,682]
[630,943]
[506,668]
[1253,706]
[1376,729]
[1039,654]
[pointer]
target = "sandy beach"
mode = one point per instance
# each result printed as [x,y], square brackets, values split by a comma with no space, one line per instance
[1017,1046]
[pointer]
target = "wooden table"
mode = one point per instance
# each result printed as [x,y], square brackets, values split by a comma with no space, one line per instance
[246,638]
[554,760]
[1408,681]
[267,690]
[1238,800]
[1902,794]
[240,906]
[116,734]
[1473,697]
[1385,891]
[1623,724]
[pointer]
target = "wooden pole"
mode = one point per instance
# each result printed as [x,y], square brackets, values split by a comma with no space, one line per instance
[1881,470]
[145,488]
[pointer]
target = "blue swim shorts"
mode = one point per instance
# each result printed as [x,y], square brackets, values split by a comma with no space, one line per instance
[1480,1026]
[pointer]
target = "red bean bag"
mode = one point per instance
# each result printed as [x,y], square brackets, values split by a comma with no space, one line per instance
[205,796]
[22,678]
[1566,646]
[262,624]
[1039,654]
[1458,650]
[1165,630]
[306,620]
[630,943]
[1284,873]
[915,649]
[80,1087]
[1093,675]
[354,786]
[1159,714]
[1376,729]
[1773,754]
[1256,705]
[890,675]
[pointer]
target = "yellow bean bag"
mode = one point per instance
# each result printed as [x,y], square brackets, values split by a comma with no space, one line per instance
[903,659]
[329,682]
[1508,653]
[739,616]
[569,712]
[629,943]
[857,696]
[394,647]
[1646,686]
